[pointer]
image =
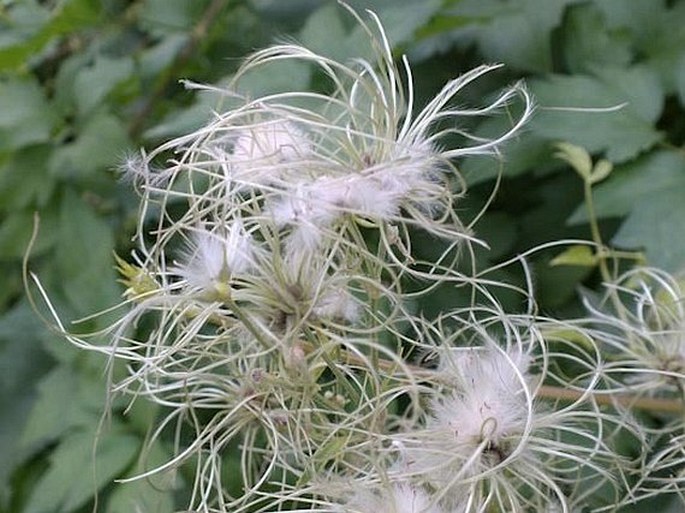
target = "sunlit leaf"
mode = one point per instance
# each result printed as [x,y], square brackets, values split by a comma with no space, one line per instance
[601,170]
[576,255]
[577,157]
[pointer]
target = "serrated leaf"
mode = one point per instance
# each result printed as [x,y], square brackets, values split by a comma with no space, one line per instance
[25,114]
[22,363]
[575,255]
[83,156]
[518,33]
[24,180]
[621,133]
[84,256]
[66,400]
[79,467]
[660,40]
[656,224]
[588,41]
[70,16]
[93,83]
[647,176]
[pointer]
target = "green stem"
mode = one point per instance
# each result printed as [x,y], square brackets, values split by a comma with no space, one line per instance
[602,251]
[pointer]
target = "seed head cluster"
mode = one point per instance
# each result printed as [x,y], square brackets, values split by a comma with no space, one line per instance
[271,311]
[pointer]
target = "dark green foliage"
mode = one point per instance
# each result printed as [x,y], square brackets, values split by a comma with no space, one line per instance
[83,82]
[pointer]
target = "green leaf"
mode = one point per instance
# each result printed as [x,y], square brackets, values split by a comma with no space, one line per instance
[21,22]
[661,41]
[576,337]
[22,363]
[79,467]
[93,83]
[402,19]
[622,133]
[16,230]
[600,171]
[654,31]
[500,231]
[324,32]
[66,400]
[588,43]
[578,158]
[24,180]
[155,58]
[656,224]
[163,17]
[154,494]
[326,29]
[575,255]
[275,77]
[680,79]
[647,177]
[519,155]
[100,142]
[519,33]
[183,121]
[70,16]
[25,114]
[84,256]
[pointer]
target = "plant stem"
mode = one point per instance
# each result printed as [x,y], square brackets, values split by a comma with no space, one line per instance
[652,404]
[602,252]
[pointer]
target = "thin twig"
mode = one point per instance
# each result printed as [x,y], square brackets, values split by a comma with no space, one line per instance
[632,401]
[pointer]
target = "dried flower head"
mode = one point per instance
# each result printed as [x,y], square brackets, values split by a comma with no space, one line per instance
[645,339]
[489,442]
[273,273]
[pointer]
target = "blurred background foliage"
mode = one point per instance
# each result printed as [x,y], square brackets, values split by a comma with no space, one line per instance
[83,82]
